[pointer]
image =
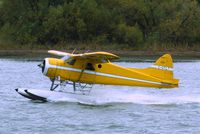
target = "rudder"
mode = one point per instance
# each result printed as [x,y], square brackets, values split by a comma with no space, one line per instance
[165,61]
[163,69]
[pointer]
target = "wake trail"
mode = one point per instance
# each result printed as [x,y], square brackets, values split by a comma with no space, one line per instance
[113,96]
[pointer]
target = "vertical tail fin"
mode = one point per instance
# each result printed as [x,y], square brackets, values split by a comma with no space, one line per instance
[165,61]
[163,69]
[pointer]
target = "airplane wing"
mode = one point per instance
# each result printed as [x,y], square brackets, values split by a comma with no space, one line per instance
[93,55]
[96,55]
[59,53]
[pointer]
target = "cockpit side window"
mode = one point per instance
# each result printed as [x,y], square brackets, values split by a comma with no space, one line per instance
[71,62]
[89,66]
[104,60]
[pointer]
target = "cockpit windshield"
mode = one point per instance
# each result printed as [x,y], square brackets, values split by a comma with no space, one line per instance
[66,57]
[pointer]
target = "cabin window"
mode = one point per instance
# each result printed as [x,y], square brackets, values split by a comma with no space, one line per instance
[99,66]
[104,61]
[71,62]
[89,66]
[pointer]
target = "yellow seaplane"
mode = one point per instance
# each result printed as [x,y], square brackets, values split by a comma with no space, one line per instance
[83,70]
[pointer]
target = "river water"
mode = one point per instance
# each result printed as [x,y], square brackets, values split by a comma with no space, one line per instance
[108,109]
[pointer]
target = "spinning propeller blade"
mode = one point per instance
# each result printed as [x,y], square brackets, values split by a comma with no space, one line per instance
[40,65]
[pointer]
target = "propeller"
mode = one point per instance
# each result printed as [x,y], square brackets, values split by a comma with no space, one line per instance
[42,65]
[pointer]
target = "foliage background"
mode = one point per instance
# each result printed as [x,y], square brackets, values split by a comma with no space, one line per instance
[125,23]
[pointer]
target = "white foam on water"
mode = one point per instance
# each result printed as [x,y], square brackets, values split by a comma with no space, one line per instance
[107,95]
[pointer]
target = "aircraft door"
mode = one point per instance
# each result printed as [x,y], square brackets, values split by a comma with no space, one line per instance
[56,74]
[89,73]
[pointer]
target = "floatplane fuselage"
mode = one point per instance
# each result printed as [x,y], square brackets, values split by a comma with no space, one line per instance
[96,68]
[102,71]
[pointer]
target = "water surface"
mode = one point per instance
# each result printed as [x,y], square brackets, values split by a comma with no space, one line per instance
[108,109]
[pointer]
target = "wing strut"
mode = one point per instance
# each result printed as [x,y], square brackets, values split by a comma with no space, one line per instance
[85,88]
[53,85]
[74,86]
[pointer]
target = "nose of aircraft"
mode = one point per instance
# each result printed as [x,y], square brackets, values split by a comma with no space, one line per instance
[42,65]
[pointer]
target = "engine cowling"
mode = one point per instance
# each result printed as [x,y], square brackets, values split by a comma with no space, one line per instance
[55,68]
[44,66]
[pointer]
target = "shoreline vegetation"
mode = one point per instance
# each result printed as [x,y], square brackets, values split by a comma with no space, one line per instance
[122,27]
[17,50]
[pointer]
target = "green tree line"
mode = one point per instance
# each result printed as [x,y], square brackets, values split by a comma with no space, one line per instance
[131,22]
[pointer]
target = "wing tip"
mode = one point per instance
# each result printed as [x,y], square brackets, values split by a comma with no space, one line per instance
[59,53]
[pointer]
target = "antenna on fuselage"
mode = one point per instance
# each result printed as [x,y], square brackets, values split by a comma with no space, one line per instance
[87,51]
[73,51]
